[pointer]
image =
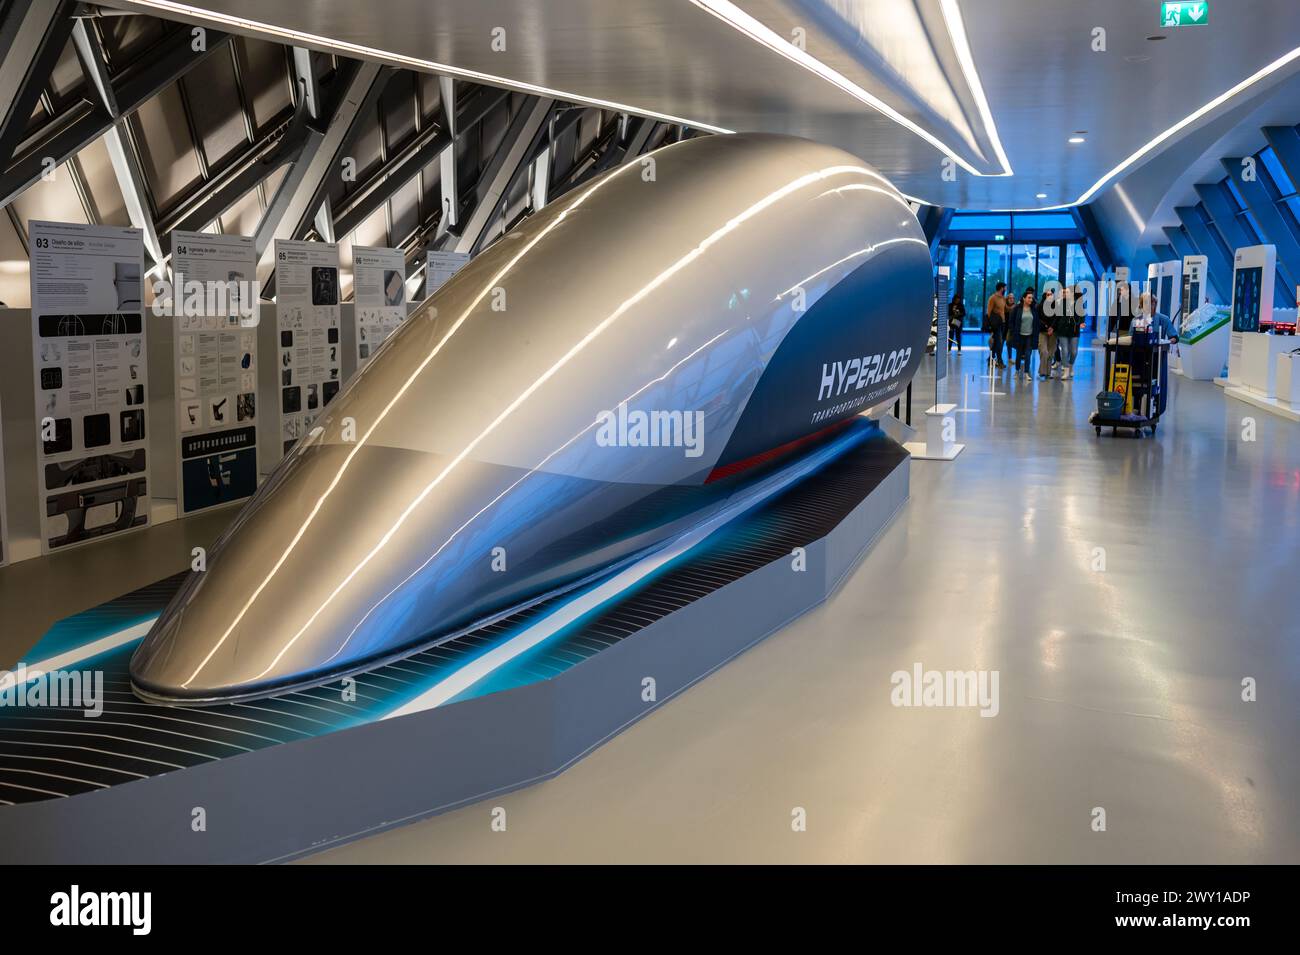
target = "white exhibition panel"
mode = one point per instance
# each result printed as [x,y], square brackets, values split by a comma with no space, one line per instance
[1165,282]
[1253,269]
[215,310]
[440,267]
[1196,269]
[311,347]
[21,424]
[4,513]
[90,356]
[378,295]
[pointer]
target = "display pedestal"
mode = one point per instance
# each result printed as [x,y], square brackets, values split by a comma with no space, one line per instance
[1288,379]
[936,447]
[1203,359]
[1285,403]
[299,772]
[1259,361]
[1259,364]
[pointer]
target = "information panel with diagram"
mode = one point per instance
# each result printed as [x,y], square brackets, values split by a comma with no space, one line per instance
[440,267]
[91,381]
[379,294]
[307,316]
[4,514]
[215,360]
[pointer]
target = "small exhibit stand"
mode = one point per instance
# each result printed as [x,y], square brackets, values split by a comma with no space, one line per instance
[1249,360]
[937,445]
[1283,396]
[1202,356]
[1288,384]
[1261,354]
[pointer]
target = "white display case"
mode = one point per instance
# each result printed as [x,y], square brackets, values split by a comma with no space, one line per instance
[1202,353]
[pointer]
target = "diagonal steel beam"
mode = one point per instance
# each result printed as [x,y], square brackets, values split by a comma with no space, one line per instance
[1223,213]
[400,169]
[537,146]
[1179,240]
[636,145]
[296,200]
[406,164]
[85,123]
[447,178]
[360,103]
[1271,224]
[1220,264]
[33,34]
[602,154]
[121,149]
[1285,141]
[527,124]
[236,179]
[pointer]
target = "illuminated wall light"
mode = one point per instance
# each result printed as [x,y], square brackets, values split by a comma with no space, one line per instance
[1076,139]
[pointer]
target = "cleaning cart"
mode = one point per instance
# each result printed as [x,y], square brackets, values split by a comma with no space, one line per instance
[1137,383]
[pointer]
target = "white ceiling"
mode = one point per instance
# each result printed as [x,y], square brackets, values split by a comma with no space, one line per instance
[1033,59]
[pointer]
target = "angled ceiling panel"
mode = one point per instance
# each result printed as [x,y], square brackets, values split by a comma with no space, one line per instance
[55,199]
[15,292]
[405,210]
[167,153]
[243,216]
[265,74]
[102,187]
[214,97]
[397,105]
[374,230]
[126,38]
[67,82]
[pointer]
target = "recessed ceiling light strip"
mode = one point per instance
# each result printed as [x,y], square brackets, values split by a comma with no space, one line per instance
[961,46]
[759,32]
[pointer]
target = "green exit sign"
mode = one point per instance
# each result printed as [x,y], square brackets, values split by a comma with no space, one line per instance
[1184,14]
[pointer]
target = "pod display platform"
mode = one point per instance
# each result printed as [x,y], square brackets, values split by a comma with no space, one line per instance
[498,708]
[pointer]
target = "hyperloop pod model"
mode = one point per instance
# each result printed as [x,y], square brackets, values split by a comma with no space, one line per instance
[612,373]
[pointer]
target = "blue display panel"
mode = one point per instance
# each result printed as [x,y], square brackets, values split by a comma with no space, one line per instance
[1247,284]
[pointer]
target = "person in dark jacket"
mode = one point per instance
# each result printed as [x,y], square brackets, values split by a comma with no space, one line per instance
[956,319]
[1023,328]
[1068,326]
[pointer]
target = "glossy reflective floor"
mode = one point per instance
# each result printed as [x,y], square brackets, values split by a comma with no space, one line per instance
[1119,689]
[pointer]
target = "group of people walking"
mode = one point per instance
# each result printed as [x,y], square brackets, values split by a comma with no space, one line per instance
[1026,326]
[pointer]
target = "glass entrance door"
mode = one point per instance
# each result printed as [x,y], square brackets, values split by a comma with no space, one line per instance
[972,285]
